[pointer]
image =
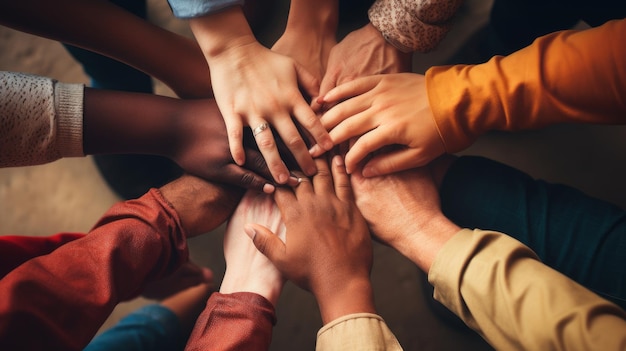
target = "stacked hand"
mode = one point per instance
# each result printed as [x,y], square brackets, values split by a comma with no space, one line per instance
[328,249]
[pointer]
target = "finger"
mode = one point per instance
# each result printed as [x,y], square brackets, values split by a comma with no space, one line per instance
[350,89]
[267,146]
[234,128]
[307,81]
[344,110]
[309,120]
[328,82]
[247,179]
[292,139]
[268,243]
[394,161]
[343,189]
[354,126]
[256,163]
[364,145]
[323,180]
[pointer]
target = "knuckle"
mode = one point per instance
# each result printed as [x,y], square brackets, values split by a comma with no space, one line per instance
[266,143]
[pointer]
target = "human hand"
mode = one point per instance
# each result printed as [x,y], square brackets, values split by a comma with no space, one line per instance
[310,34]
[201,206]
[328,250]
[201,148]
[310,53]
[258,88]
[403,211]
[389,109]
[247,269]
[361,53]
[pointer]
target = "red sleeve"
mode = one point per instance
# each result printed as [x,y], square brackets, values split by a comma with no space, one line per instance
[58,301]
[238,321]
[17,249]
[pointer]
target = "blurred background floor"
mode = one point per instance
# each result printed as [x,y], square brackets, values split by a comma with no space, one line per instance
[70,195]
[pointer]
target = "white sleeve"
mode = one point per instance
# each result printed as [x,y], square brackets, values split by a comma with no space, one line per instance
[41,120]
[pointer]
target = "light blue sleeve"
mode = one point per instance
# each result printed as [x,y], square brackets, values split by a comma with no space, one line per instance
[197,8]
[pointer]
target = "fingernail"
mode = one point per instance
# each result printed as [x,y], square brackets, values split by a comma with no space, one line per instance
[328,145]
[338,160]
[268,188]
[293,181]
[313,150]
[282,178]
[370,172]
[250,232]
[311,171]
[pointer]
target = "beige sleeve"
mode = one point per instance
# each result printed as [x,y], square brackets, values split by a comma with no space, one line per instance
[413,25]
[41,120]
[359,331]
[499,288]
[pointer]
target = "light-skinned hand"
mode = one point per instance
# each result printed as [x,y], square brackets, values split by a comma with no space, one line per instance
[248,270]
[363,52]
[254,86]
[381,110]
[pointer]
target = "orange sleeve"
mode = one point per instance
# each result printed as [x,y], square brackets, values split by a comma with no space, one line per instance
[564,77]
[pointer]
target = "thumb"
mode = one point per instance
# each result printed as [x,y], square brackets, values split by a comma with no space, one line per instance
[268,243]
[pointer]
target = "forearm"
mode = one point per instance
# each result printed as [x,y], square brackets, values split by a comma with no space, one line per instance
[123,122]
[353,296]
[313,17]
[65,296]
[530,306]
[425,238]
[222,31]
[102,27]
[570,76]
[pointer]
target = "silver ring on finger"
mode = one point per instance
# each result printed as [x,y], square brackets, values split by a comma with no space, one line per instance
[260,128]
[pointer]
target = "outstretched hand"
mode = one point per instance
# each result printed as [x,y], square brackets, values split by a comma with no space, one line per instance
[403,211]
[202,149]
[390,109]
[363,52]
[248,270]
[328,249]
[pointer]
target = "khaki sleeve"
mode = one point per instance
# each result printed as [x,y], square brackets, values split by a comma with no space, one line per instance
[411,25]
[359,331]
[499,288]
[569,76]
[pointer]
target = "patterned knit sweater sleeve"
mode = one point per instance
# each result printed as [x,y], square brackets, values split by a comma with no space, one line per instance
[41,120]
[413,25]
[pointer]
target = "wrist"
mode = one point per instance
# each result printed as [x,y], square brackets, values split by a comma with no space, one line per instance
[353,296]
[320,20]
[427,237]
[253,283]
[221,32]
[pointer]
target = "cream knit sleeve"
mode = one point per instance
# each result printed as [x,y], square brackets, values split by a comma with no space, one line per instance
[41,120]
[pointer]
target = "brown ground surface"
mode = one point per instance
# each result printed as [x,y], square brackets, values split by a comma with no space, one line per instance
[70,195]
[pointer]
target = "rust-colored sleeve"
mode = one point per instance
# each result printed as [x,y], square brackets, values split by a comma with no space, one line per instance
[59,300]
[565,77]
[238,321]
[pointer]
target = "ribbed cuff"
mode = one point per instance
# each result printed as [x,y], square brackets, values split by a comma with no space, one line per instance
[69,122]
